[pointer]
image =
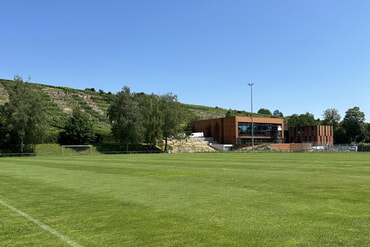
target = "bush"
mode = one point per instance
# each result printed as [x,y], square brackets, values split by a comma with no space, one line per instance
[363,147]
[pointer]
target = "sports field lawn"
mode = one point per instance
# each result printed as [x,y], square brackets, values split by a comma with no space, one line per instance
[203,199]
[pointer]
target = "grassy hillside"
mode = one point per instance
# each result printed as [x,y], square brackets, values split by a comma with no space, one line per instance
[61,100]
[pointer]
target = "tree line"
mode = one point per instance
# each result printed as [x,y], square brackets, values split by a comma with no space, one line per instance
[136,118]
[352,128]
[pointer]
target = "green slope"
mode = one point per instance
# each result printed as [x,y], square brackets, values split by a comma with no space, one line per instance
[61,100]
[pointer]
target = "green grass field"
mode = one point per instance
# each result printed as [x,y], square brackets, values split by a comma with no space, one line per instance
[203,199]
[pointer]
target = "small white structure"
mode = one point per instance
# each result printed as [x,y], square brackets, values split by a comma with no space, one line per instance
[222,147]
[196,135]
[318,148]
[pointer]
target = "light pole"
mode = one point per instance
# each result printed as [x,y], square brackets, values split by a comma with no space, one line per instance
[251,85]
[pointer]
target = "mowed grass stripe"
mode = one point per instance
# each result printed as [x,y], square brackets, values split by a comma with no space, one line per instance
[202,199]
[100,221]
[41,224]
[101,208]
[293,176]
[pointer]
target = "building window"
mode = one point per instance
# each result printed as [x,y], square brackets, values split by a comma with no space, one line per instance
[248,141]
[260,129]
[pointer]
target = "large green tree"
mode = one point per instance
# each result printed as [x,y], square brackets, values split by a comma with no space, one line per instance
[145,118]
[173,116]
[368,132]
[264,111]
[126,118]
[301,120]
[78,129]
[152,117]
[278,113]
[331,117]
[25,116]
[3,128]
[354,125]
[340,135]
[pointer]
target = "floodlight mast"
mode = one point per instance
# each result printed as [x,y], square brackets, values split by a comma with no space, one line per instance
[251,85]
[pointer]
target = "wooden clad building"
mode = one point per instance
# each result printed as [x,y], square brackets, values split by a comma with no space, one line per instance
[238,129]
[319,134]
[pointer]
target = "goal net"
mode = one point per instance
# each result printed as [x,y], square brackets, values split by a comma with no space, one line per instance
[76,149]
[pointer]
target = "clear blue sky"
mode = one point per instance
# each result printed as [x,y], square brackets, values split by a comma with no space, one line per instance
[302,56]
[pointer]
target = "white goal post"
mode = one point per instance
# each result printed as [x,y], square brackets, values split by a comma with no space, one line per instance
[89,147]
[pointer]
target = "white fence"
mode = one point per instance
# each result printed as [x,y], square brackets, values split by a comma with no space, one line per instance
[345,147]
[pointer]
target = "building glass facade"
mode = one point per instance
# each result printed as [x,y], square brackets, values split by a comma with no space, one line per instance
[238,129]
[260,130]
